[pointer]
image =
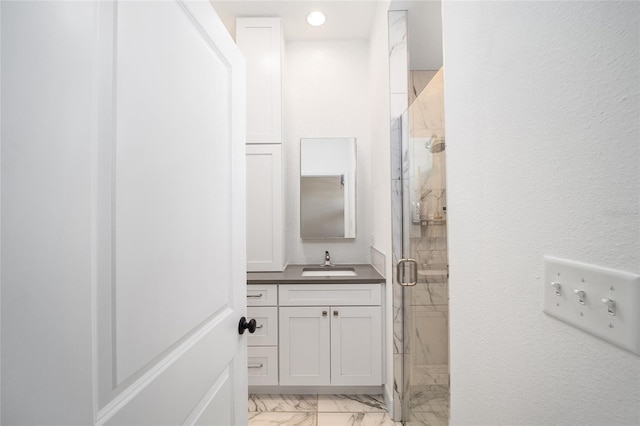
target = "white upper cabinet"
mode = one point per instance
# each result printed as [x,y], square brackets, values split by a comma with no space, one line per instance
[260,40]
[265,248]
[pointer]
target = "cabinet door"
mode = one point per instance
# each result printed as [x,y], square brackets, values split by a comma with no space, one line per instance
[264,208]
[356,345]
[304,346]
[260,40]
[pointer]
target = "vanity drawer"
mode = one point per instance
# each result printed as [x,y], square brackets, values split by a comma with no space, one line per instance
[330,294]
[266,333]
[262,295]
[263,365]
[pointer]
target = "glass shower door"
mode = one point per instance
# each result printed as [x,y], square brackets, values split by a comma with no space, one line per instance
[424,239]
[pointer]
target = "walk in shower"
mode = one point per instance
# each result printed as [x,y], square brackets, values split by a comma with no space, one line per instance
[419,201]
[424,239]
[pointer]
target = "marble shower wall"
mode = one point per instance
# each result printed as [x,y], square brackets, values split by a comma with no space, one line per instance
[427,110]
[399,102]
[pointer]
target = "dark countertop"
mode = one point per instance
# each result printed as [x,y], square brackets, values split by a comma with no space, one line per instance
[293,275]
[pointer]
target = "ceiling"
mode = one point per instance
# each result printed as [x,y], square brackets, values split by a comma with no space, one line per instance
[346,19]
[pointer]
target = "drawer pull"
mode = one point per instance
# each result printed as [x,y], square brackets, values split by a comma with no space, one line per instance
[255,295]
[256,365]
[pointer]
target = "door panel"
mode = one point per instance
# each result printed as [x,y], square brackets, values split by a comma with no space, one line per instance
[180,380]
[217,405]
[168,195]
[123,226]
[172,173]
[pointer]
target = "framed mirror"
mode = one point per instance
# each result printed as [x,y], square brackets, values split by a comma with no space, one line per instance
[328,187]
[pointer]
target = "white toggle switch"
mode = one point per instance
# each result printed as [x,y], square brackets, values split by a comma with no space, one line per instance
[557,286]
[611,306]
[609,300]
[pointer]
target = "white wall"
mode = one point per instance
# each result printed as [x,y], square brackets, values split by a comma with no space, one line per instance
[542,117]
[381,172]
[326,94]
[48,75]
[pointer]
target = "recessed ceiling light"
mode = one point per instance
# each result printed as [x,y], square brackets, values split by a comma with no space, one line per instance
[315,19]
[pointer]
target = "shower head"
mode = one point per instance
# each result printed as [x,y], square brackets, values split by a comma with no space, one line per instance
[435,145]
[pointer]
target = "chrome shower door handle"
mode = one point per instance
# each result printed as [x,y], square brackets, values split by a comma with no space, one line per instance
[400,272]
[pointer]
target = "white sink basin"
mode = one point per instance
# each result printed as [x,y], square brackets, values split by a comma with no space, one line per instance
[328,272]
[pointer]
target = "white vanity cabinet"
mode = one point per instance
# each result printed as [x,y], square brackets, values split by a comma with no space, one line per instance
[330,334]
[262,346]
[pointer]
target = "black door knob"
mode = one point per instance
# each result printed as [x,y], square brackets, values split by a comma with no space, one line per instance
[244,325]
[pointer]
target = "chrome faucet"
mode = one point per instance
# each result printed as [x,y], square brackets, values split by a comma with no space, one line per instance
[327,259]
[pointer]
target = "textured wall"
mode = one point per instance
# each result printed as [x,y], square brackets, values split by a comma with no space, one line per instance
[326,94]
[542,107]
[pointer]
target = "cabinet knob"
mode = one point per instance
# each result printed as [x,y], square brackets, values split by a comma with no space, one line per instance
[335,313]
[324,313]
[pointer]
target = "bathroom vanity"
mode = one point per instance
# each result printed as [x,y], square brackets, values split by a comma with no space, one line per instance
[316,330]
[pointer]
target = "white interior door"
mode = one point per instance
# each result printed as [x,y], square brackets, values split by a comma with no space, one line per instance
[123,227]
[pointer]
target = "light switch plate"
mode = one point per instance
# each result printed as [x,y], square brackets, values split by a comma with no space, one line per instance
[600,285]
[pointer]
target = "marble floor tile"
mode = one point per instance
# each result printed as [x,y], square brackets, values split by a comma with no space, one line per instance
[278,403]
[351,403]
[282,419]
[355,419]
